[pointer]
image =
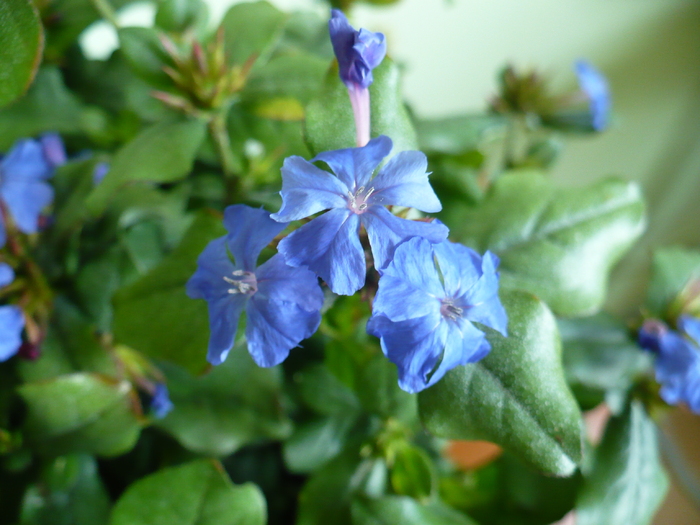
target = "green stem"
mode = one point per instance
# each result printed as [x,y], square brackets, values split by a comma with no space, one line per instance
[106,11]
[219,134]
[510,144]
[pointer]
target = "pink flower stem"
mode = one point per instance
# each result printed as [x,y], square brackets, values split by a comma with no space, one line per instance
[359,98]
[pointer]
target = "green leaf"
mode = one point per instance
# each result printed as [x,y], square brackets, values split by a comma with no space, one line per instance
[324,393]
[196,493]
[453,135]
[627,482]
[164,152]
[154,315]
[71,493]
[413,473]
[516,396]
[80,413]
[251,29]
[600,357]
[21,45]
[391,510]
[558,244]
[377,386]
[299,76]
[233,405]
[329,121]
[145,54]
[315,442]
[179,15]
[673,270]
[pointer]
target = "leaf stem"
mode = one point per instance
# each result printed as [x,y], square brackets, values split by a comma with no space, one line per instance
[106,11]
[219,134]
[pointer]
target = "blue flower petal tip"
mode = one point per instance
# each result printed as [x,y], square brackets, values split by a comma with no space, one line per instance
[595,86]
[11,326]
[160,403]
[424,312]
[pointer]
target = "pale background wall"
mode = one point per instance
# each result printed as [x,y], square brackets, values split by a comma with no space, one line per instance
[649,49]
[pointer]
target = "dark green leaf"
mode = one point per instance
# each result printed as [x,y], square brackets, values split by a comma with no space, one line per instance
[21,45]
[516,397]
[453,135]
[324,393]
[251,29]
[329,121]
[674,269]
[70,493]
[162,153]
[80,413]
[413,473]
[558,244]
[233,405]
[377,386]
[145,54]
[314,442]
[196,493]
[154,315]
[627,482]
[391,510]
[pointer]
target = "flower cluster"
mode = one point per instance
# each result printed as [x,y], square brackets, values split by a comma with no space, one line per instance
[677,361]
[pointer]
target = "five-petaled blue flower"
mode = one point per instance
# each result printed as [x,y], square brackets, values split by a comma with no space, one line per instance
[429,297]
[595,86]
[677,362]
[11,319]
[358,52]
[282,303]
[330,244]
[160,402]
[23,190]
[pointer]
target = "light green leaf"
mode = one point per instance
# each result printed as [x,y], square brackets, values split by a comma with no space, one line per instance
[627,482]
[516,396]
[251,29]
[233,405]
[179,15]
[80,413]
[413,473]
[453,135]
[21,46]
[154,315]
[298,76]
[391,510]
[196,493]
[329,121]
[673,269]
[558,244]
[164,152]
[314,442]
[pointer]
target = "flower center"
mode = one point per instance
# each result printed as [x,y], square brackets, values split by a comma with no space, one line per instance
[358,202]
[242,282]
[450,310]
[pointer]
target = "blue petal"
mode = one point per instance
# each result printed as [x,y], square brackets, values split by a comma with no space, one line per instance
[330,246]
[100,172]
[3,236]
[278,282]
[250,230]
[460,267]
[410,286]
[54,150]
[224,313]
[370,48]
[690,326]
[307,189]
[7,274]
[25,162]
[484,305]
[403,181]
[355,166]
[414,346]
[387,231]
[160,403]
[358,52]
[465,344]
[25,200]
[594,84]
[11,325]
[343,38]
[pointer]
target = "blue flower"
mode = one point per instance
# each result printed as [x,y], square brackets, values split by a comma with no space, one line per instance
[100,172]
[330,244]
[358,52]
[429,297]
[282,303]
[23,192]
[7,274]
[11,326]
[677,362]
[160,403]
[53,149]
[595,86]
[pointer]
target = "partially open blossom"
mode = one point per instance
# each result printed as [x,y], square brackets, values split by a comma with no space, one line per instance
[282,303]
[424,312]
[330,244]
[595,86]
[160,403]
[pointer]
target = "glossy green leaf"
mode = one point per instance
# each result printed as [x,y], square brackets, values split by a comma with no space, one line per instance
[391,510]
[164,152]
[80,413]
[315,442]
[558,244]
[179,15]
[627,483]
[71,493]
[251,29]
[673,270]
[413,473]
[154,315]
[236,403]
[329,121]
[516,396]
[21,46]
[298,76]
[453,135]
[196,493]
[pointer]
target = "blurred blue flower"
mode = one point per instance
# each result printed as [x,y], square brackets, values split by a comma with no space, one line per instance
[595,86]
[23,192]
[282,303]
[100,172]
[429,297]
[358,52]
[677,362]
[330,244]
[11,326]
[7,274]
[53,148]
[160,403]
